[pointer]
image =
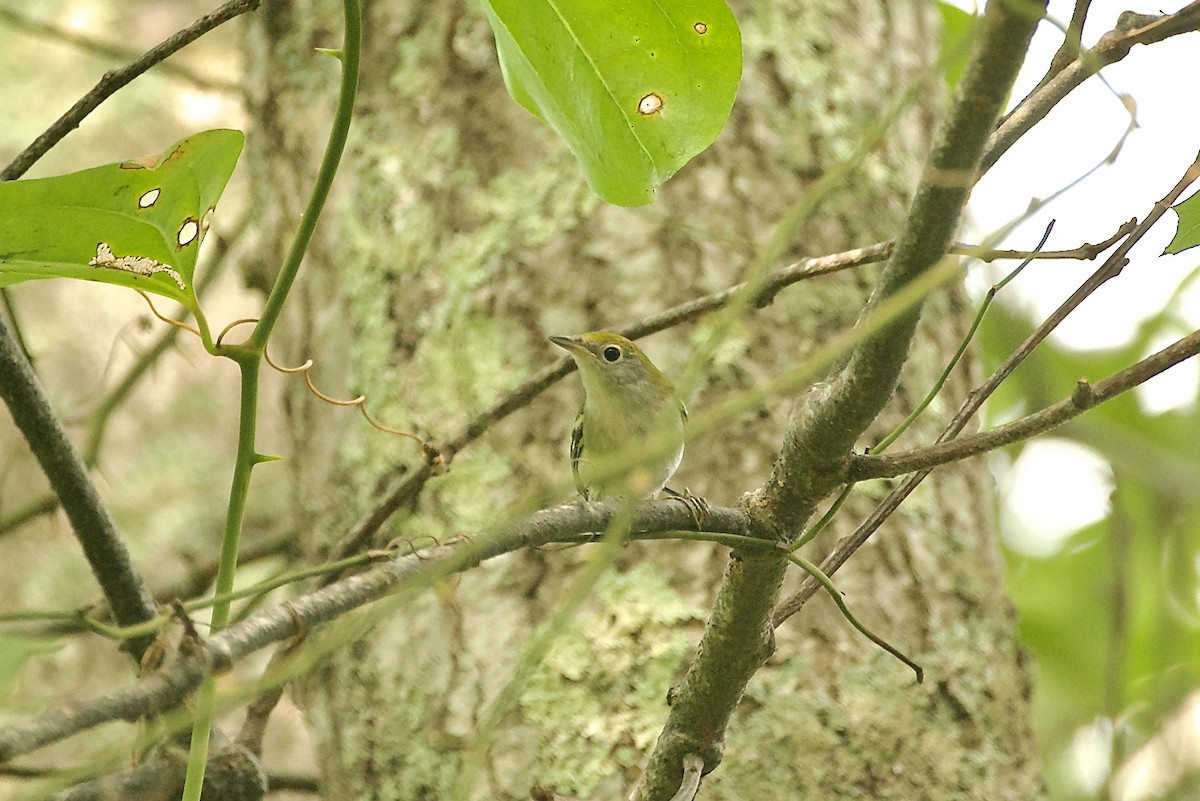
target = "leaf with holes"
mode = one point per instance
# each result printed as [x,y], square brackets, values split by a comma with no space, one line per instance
[137,223]
[636,87]
[1188,233]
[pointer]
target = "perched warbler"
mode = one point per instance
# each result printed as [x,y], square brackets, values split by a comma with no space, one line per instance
[628,437]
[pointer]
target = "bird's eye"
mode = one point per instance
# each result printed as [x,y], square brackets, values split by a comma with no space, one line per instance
[612,353]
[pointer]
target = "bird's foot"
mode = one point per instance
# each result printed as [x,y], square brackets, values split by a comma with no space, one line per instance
[696,506]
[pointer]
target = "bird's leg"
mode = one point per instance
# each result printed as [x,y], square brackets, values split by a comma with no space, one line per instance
[697,507]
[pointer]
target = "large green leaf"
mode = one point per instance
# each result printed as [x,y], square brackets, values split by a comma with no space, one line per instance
[134,224]
[636,87]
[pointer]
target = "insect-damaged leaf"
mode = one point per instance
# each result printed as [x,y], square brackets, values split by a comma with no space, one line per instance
[136,223]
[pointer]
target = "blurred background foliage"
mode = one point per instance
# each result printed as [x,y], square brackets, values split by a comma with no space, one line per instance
[1108,607]
[1103,563]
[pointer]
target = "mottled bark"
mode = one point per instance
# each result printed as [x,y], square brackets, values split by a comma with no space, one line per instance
[461,234]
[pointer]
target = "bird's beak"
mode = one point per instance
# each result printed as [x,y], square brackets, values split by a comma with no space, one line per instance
[570,344]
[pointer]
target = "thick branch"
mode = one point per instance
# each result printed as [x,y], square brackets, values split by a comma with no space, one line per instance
[738,637]
[167,689]
[1114,47]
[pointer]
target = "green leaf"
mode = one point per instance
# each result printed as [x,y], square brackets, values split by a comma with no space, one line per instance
[955,48]
[134,224]
[636,88]
[15,651]
[1188,234]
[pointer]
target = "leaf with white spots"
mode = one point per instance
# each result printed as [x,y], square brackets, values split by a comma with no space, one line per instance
[636,88]
[134,224]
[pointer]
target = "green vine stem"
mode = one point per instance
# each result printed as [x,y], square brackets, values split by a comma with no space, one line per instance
[249,357]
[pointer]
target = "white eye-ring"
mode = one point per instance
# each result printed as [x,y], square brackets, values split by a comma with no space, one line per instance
[612,354]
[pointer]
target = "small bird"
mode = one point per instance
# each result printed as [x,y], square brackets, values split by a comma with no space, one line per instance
[630,410]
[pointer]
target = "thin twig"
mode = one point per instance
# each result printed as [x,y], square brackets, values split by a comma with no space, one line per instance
[1071,47]
[115,79]
[258,713]
[1083,398]
[1111,267]
[1085,252]
[1132,29]
[693,769]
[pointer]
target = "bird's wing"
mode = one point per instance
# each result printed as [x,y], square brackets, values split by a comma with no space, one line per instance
[577,451]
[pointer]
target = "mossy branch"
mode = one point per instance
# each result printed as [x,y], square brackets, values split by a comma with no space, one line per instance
[738,636]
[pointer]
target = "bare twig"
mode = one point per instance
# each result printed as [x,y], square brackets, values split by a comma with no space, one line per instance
[1071,47]
[1111,267]
[1083,398]
[1085,252]
[1132,29]
[114,80]
[258,713]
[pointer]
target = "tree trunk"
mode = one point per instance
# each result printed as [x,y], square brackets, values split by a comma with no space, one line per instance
[459,236]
